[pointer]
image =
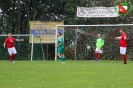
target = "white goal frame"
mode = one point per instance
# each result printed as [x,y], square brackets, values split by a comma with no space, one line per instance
[99,25]
[32,42]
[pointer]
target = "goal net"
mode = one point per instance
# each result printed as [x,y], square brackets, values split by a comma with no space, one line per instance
[78,37]
[24,49]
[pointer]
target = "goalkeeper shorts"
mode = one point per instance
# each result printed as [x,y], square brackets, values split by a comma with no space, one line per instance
[99,50]
[60,50]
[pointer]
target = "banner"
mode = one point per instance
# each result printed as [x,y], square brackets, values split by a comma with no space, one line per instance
[44,32]
[96,12]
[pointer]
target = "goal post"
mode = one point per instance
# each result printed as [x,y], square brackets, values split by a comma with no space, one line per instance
[90,32]
[24,49]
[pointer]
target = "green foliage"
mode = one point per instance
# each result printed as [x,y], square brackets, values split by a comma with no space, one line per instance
[69,53]
[17,13]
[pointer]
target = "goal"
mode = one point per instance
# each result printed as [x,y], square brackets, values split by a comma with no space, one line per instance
[24,49]
[78,37]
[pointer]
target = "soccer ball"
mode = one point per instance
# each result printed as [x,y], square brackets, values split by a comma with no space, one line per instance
[88,47]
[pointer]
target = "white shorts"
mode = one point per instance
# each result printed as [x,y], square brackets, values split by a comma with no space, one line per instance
[123,50]
[12,51]
[99,50]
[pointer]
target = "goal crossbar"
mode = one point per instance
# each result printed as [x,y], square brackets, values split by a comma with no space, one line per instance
[102,25]
[17,35]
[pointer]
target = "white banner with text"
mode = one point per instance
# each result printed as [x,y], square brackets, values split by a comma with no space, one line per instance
[96,12]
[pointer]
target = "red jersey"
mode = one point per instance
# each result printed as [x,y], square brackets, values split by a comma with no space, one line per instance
[123,40]
[10,42]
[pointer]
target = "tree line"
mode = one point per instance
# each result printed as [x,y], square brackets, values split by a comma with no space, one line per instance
[16,14]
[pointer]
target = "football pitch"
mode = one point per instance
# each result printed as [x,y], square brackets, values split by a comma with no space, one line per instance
[73,74]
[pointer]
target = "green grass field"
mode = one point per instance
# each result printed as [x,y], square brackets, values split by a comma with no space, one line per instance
[73,74]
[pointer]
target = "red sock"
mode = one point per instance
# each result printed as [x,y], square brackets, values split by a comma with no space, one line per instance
[96,55]
[11,58]
[100,56]
[124,58]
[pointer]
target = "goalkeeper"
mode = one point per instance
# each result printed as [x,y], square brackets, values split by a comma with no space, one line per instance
[99,47]
[60,48]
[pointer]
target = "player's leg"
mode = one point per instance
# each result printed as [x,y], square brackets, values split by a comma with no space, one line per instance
[63,57]
[10,51]
[123,53]
[96,54]
[14,53]
[59,53]
[62,54]
[100,52]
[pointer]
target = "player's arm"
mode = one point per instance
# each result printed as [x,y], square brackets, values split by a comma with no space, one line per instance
[5,42]
[60,43]
[125,37]
[117,38]
[4,45]
[19,40]
[102,44]
[96,44]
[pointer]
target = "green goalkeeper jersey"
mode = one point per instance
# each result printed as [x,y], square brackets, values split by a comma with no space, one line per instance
[60,41]
[99,43]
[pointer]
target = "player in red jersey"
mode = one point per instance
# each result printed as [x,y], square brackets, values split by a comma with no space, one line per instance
[9,41]
[123,44]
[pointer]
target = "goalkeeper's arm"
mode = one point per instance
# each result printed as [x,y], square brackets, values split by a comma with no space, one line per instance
[102,44]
